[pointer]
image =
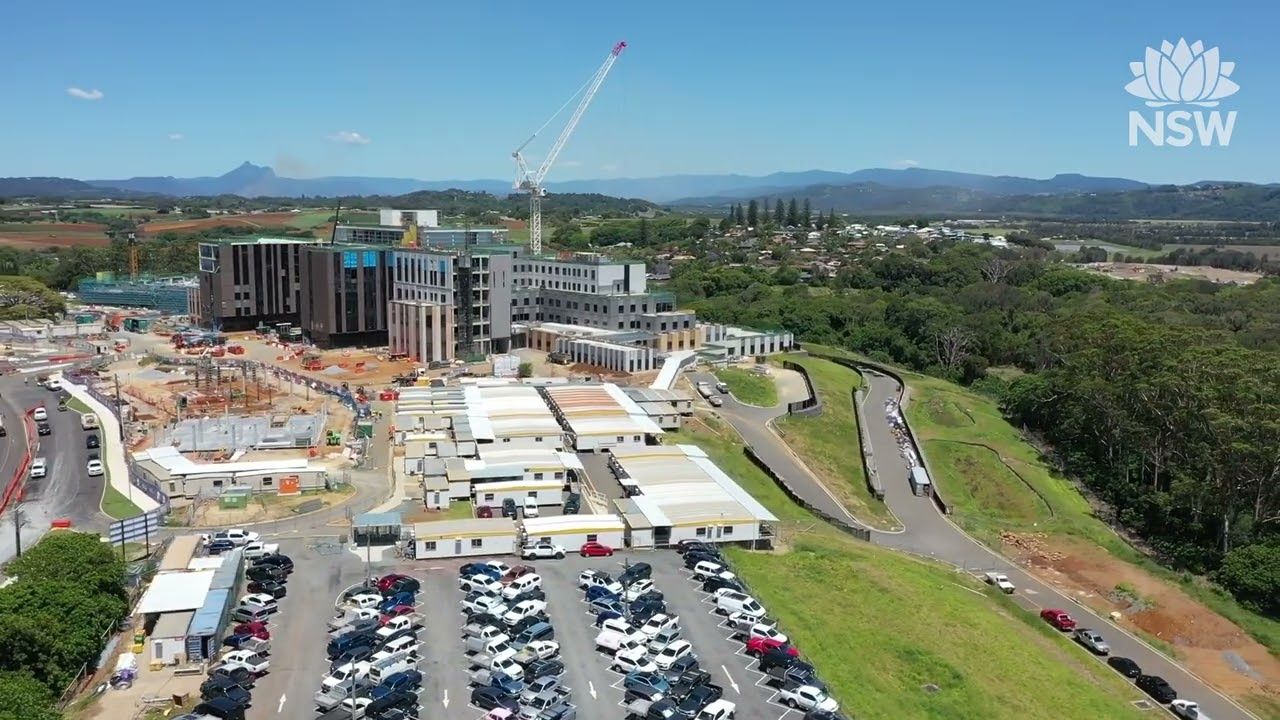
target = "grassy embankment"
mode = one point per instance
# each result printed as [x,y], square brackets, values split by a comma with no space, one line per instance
[828,442]
[880,626]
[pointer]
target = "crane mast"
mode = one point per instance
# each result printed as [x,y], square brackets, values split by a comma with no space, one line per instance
[531,181]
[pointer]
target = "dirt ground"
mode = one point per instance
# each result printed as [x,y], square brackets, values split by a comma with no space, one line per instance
[54,238]
[1203,640]
[262,507]
[1150,271]
[260,220]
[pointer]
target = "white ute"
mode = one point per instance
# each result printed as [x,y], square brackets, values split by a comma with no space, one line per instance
[1188,709]
[1001,581]
[808,697]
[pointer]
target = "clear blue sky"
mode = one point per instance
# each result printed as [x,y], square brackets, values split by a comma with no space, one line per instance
[447,90]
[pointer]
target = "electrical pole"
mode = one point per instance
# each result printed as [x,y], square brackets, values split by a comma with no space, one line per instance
[17,527]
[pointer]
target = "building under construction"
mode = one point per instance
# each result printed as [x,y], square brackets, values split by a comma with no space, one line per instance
[169,295]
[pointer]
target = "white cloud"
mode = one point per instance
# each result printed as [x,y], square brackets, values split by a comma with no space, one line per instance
[76,92]
[349,137]
[571,163]
[610,167]
[910,163]
[177,136]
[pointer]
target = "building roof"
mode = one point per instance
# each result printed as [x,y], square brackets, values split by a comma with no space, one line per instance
[600,410]
[173,624]
[507,485]
[180,552]
[649,394]
[678,485]
[481,411]
[258,241]
[174,591]
[570,524]
[209,617]
[467,528]
[176,464]
[372,519]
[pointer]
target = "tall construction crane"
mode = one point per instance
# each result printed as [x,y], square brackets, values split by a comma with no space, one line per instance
[531,181]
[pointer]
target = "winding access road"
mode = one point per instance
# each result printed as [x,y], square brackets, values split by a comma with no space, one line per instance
[927,532]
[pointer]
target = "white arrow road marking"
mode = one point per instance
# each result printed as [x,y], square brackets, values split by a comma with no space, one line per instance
[733,684]
[445,699]
[591,689]
[280,707]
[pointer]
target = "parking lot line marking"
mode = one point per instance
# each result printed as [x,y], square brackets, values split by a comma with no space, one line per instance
[731,682]
[445,699]
[591,689]
[280,707]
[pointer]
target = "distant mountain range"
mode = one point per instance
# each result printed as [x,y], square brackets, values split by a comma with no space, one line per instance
[249,180]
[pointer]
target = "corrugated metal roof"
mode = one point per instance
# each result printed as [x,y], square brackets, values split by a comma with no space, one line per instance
[209,616]
[680,485]
[181,550]
[173,625]
[174,591]
[228,572]
[372,519]
[470,527]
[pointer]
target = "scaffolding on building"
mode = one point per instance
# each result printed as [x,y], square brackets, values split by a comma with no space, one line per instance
[169,295]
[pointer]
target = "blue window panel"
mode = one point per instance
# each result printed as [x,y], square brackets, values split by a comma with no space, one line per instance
[370,259]
[443,265]
[349,259]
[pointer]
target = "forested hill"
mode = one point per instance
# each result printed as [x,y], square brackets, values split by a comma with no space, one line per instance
[1204,201]
[1164,399]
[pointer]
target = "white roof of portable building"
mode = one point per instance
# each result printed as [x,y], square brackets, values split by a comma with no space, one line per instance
[566,524]
[503,485]
[680,485]
[601,410]
[467,528]
[176,591]
[175,463]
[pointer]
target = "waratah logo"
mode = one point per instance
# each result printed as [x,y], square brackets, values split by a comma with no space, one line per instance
[1182,74]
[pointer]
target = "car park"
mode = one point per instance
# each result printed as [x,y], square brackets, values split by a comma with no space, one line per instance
[270,588]
[633,660]
[662,639]
[704,569]
[276,560]
[547,683]
[658,623]
[635,571]
[1092,640]
[718,710]
[255,663]
[515,573]
[541,551]
[391,601]
[521,585]
[475,568]
[595,549]
[1157,688]
[1124,666]
[611,604]
[221,708]
[1058,618]
[698,698]
[479,581]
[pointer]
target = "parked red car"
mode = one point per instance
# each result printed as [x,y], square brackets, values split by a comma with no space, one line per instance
[515,572]
[395,612]
[386,581]
[758,646]
[1058,619]
[484,511]
[595,549]
[257,628]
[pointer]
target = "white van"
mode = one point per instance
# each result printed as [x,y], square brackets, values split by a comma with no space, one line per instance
[530,507]
[88,421]
[39,467]
[521,585]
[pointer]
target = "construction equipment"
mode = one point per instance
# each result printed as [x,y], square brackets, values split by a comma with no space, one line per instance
[311,361]
[531,181]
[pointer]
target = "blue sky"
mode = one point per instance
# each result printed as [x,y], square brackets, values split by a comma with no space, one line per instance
[447,90]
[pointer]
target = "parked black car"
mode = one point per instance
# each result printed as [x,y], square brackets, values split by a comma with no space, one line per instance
[235,693]
[634,572]
[275,589]
[683,666]
[353,654]
[265,572]
[43,428]
[693,557]
[1124,666]
[484,618]
[525,624]
[284,562]
[221,708]
[217,547]
[92,442]
[543,668]
[232,675]
[509,508]
[685,546]
[1157,688]
[716,582]
[488,698]
[776,657]
[217,684]
[700,697]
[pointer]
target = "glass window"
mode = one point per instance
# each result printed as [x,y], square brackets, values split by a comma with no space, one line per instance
[700,532]
[429,545]
[476,542]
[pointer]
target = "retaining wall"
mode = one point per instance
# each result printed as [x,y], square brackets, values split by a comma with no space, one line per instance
[855,530]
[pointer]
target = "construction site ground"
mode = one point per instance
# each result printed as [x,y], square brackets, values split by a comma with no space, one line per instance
[263,507]
[1210,645]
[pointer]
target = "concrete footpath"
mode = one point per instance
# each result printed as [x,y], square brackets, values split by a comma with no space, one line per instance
[113,449]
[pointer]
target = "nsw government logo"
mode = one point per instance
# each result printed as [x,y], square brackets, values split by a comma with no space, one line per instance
[1182,75]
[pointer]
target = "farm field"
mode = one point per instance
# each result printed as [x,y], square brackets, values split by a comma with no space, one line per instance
[259,220]
[33,236]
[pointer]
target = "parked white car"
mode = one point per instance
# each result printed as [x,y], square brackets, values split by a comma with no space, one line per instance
[522,610]
[676,650]
[596,578]
[808,697]
[39,468]
[238,536]
[485,603]
[258,549]
[480,582]
[767,632]
[731,601]
[638,588]
[658,623]
[247,659]
[94,468]
[629,660]
[542,551]
[40,414]
[709,568]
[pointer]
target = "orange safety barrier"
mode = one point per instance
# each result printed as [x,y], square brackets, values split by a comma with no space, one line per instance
[61,523]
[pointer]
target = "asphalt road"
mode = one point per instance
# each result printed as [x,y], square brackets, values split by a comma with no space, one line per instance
[66,491]
[927,532]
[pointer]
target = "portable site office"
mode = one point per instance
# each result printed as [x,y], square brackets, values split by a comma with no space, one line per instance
[463,538]
[571,531]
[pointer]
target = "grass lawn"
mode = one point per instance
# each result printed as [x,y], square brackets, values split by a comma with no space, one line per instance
[457,511]
[828,443]
[78,405]
[117,505]
[749,387]
[879,626]
[309,219]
